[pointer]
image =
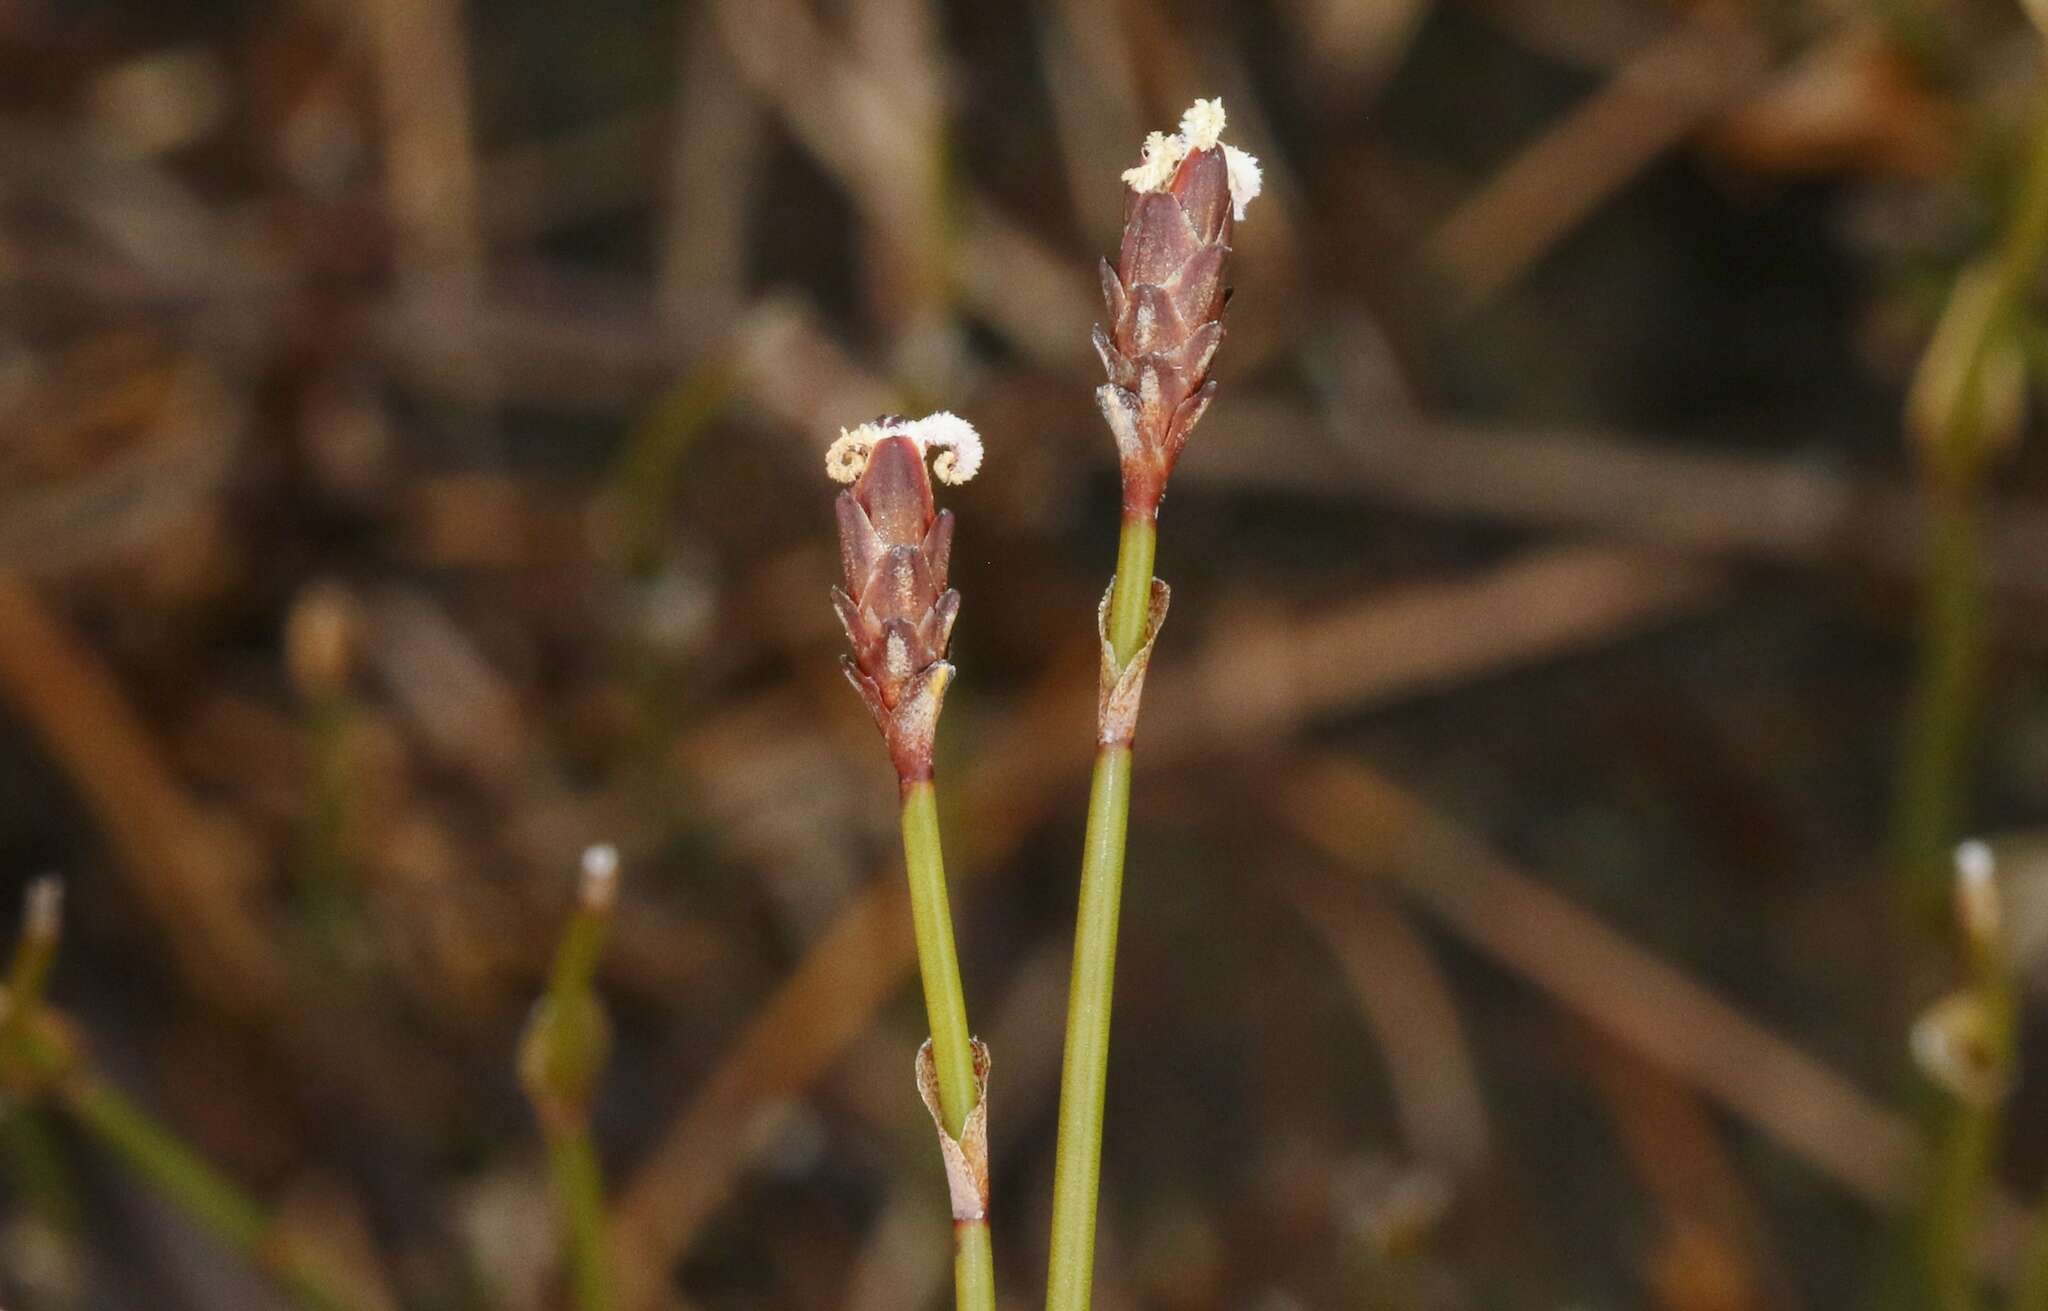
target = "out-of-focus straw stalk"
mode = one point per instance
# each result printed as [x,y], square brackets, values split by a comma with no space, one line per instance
[895,545]
[1164,297]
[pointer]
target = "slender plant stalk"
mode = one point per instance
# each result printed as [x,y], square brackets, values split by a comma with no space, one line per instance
[1955,415]
[938,963]
[561,1059]
[1164,300]
[1084,1070]
[895,544]
[1130,596]
[1932,782]
[578,1183]
[1964,406]
[945,1004]
[183,1178]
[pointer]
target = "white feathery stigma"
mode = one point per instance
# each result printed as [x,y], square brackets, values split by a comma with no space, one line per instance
[1201,128]
[956,441]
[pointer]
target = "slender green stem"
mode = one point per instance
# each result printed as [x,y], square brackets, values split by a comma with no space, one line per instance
[945,1004]
[197,1189]
[1084,1071]
[561,1060]
[1933,780]
[1084,1068]
[1130,595]
[578,1182]
[945,1001]
[974,1267]
[1957,441]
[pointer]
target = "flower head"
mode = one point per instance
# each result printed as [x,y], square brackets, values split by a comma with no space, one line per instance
[1165,294]
[894,546]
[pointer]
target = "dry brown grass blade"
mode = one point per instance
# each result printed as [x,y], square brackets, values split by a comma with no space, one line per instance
[715,141]
[1408,1005]
[1274,674]
[190,870]
[423,88]
[1359,816]
[1658,98]
[1791,508]
[1713,1250]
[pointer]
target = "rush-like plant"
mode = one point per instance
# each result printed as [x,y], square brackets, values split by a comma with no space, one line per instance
[1164,296]
[894,546]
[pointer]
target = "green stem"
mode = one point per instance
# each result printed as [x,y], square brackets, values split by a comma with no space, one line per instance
[945,1001]
[189,1183]
[1084,1067]
[1084,1070]
[561,1059]
[1130,594]
[578,1182]
[1933,781]
[945,1004]
[974,1267]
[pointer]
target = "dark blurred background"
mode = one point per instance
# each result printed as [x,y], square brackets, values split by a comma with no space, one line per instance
[411,430]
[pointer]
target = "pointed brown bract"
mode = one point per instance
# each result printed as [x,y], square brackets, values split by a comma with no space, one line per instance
[1165,300]
[894,545]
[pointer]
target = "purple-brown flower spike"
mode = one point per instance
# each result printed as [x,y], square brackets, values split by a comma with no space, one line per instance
[894,543]
[1166,293]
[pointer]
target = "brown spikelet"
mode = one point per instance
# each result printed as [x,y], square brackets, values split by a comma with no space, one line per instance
[898,612]
[1165,298]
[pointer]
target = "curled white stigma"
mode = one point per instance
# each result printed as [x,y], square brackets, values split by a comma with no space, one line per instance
[956,441]
[1201,128]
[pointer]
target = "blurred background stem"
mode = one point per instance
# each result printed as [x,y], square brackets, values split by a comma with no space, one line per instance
[38,1054]
[561,1059]
[1964,405]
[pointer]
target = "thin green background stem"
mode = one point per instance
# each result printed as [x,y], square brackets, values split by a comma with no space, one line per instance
[1084,1069]
[186,1180]
[578,1182]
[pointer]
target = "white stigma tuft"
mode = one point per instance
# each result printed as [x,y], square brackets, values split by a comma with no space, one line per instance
[1201,128]
[956,441]
[1245,180]
[1162,156]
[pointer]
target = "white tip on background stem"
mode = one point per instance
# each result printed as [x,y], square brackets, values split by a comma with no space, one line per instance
[1977,889]
[42,915]
[956,441]
[600,876]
